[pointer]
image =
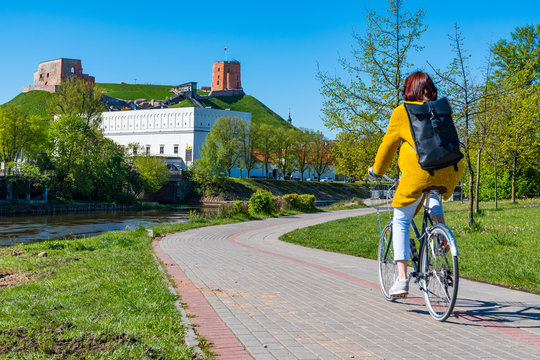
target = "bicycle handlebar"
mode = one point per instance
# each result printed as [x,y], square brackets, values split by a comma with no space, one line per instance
[373,176]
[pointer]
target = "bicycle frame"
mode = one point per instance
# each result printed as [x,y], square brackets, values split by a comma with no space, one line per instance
[421,237]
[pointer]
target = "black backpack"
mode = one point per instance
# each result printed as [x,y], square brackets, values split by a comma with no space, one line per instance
[434,133]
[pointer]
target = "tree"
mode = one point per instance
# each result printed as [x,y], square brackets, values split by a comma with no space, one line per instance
[354,153]
[284,142]
[87,165]
[301,151]
[226,133]
[482,126]
[77,97]
[71,142]
[465,98]
[517,65]
[266,147]
[321,150]
[362,107]
[250,135]
[520,56]
[153,172]
[206,169]
[19,133]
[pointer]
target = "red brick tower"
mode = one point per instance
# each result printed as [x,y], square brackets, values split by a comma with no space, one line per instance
[226,76]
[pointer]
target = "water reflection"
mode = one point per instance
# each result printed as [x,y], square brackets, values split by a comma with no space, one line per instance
[28,229]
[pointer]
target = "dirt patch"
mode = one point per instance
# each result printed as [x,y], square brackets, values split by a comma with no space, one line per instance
[16,252]
[8,278]
[54,342]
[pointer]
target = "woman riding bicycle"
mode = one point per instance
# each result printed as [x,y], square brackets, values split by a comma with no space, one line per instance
[417,89]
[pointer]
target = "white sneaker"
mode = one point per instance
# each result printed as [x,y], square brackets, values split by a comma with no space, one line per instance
[400,288]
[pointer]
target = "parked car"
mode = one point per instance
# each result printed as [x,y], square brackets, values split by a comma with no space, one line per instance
[327,179]
[312,179]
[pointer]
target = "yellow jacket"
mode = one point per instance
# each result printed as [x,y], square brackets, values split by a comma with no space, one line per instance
[413,178]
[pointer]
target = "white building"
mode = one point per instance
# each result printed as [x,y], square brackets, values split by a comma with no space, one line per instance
[174,133]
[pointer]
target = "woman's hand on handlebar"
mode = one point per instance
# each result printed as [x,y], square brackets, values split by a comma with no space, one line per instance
[372,174]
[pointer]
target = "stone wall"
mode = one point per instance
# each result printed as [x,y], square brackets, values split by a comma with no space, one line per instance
[50,74]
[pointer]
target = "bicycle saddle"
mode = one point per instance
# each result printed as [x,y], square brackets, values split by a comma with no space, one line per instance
[435,189]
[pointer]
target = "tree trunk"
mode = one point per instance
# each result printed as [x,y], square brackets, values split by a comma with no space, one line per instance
[477,185]
[514,177]
[228,172]
[266,169]
[470,213]
[495,177]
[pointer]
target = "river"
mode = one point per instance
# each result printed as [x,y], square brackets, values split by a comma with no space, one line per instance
[29,229]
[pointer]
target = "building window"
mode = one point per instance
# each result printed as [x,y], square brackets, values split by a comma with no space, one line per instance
[228,70]
[161,149]
[218,82]
[47,74]
[176,149]
[218,76]
[147,149]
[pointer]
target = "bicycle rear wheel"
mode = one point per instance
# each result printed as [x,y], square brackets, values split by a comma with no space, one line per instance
[440,283]
[387,265]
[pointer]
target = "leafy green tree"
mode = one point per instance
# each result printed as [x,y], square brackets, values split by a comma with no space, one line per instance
[301,151]
[354,153]
[266,147]
[321,151]
[226,133]
[87,165]
[250,136]
[363,105]
[71,142]
[521,55]
[207,170]
[19,133]
[153,172]
[285,142]
[517,69]
[76,97]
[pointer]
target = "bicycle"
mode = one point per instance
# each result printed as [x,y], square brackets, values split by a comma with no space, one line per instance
[435,267]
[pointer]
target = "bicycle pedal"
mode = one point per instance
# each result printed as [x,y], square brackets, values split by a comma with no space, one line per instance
[401,296]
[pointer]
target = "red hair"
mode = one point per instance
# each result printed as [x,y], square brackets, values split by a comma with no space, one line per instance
[419,87]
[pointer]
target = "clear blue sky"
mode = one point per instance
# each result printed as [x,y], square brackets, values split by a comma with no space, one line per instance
[279,43]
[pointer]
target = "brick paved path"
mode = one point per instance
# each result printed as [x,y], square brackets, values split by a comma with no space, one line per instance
[284,301]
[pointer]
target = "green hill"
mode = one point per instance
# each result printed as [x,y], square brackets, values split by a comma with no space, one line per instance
[136,91]
[35,102]
[260,113]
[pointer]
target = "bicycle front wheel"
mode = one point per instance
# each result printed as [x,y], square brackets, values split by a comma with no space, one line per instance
[387,265]
[441,276]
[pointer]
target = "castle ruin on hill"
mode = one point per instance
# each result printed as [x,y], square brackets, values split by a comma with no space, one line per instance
[226,81]
[51,74]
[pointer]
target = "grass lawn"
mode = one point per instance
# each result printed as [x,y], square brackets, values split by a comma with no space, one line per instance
[33,103]
[260,113]
[136,91]
[503,249]
[92,298]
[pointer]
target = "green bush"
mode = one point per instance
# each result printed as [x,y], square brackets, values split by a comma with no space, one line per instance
[261,202]
[304,202]
[233,208]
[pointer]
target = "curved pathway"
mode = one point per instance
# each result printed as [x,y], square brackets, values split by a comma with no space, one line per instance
[283,301]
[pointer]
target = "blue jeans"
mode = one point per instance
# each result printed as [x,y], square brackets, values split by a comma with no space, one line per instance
[402,223]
